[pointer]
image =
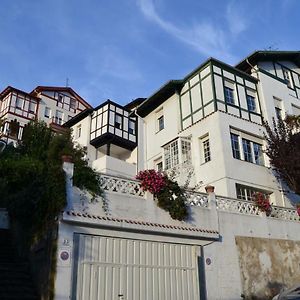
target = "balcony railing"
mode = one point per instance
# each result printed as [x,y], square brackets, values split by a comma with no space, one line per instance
[132,187]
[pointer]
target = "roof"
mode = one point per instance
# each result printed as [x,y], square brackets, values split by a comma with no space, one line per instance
[40,89]
[9,89]
[167,90]
[256,56]
[134,103]
[159,97]
[78,117]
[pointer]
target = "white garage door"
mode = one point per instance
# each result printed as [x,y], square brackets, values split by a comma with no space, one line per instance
[110,268]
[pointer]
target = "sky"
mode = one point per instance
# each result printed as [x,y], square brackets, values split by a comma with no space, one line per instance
[125,49]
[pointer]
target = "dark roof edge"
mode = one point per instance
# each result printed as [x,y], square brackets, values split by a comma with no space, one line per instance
[257,55]
[78,118]
[11,88]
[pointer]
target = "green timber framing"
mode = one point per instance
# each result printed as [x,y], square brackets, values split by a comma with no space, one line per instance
[274,57]
[223,67]
[175,86]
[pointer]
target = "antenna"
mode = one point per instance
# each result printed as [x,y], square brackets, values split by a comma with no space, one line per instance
[67,82]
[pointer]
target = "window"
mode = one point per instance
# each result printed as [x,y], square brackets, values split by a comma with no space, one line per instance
[229,95]
[287,76]
[161,124]
[78,131]
[60,98]
[59,117]
[251,103]
[258,154]
[247,150]
[244,192]
[278,113]
[131,127]
[118,121]
[251,150]
[186,151]
[72,103]
[47,112]
[206,149]
[171,154]
[159,166]
[19,103]
[31,107]
[278,108]
[235,146]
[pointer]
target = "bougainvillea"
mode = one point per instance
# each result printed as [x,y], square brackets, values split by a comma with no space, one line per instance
[152,181]
[262,201]
[169,194]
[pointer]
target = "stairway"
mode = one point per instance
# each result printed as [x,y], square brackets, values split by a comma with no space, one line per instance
[15,279]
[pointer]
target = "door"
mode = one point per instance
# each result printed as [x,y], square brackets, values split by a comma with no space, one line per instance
[110,268]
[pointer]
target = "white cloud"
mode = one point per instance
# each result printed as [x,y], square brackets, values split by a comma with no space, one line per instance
[210,39]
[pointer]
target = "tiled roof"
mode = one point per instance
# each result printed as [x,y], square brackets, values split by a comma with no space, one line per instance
[143,223]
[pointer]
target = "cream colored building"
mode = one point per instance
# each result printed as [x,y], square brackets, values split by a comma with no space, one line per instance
[53,105]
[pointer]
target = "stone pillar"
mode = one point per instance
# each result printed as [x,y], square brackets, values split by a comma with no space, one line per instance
[68,168]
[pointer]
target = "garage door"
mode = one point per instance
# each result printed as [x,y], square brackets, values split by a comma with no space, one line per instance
[110,268]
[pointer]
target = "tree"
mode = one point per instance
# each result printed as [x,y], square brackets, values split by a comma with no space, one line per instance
[283,149]
[32,181]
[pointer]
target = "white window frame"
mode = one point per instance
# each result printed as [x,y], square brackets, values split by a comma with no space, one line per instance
[78,131]
[177,152]
[205,149]
[242,139]
[160,120]
[248,191]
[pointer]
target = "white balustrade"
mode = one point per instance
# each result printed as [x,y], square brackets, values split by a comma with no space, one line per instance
[121,185]
[132,187]
[196,199]
[237,206]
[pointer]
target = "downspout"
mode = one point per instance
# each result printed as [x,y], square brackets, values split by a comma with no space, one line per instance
[145,136]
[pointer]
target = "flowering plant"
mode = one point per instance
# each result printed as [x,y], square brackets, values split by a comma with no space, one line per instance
[298,209]
[169,194]
[262,201]
[152,181]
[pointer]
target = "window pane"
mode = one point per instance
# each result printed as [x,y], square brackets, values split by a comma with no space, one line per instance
[186,151]
[171,155]
[206,150]
[235,146]
[229,96]
[161,124]
[247,150]
[258,154]
[251,103]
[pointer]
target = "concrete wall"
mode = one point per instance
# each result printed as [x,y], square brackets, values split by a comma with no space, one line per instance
[239,257]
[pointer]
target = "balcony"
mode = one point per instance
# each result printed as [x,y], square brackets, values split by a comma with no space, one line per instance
[56,125]
[114,166]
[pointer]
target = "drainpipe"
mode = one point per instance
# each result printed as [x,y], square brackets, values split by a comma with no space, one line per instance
[144,144]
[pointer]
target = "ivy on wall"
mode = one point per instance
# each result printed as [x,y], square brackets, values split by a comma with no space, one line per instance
[32,181]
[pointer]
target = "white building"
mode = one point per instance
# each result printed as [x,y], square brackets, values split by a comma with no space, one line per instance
[210,122]
[53,105]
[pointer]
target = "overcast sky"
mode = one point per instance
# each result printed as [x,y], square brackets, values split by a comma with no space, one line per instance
[124,49]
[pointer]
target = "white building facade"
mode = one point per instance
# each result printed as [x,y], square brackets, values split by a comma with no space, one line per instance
[210,125]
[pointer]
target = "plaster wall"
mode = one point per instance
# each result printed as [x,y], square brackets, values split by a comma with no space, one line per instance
[234,264]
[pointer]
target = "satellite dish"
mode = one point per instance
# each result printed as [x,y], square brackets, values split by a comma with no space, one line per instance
[2,145]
